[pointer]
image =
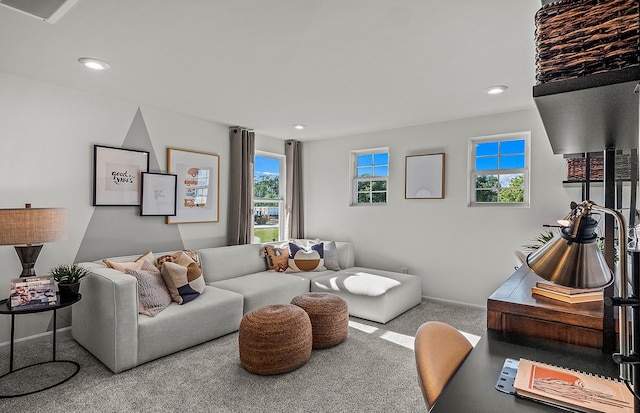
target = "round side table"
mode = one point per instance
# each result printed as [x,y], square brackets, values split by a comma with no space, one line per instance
[7,310]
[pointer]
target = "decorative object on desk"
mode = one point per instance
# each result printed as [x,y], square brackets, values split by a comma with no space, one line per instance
[198,185]
[32,292]
[116,175]
[567,295]
[571,389]
[68,278]
[27,229]
[158,194]
[575,260]
[424,176]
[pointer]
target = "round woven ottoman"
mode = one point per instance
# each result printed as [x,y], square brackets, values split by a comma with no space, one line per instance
[329,316]
[275,339]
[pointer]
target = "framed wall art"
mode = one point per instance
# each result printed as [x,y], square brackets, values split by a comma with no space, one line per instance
[198,191]
[117,174]
[424,176]
[158,194]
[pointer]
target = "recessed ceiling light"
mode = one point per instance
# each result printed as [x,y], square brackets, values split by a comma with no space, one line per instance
[496,90]
[94,64]
[299,126]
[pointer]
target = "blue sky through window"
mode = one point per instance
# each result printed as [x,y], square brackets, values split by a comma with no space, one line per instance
[500,155]
[266,166]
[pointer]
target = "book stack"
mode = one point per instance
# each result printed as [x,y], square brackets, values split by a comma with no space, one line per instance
[567,294]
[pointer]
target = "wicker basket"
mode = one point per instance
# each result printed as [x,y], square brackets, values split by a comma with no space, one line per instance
[581,37]
[576,168]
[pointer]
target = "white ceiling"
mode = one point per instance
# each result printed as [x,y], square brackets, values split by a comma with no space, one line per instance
[338,66]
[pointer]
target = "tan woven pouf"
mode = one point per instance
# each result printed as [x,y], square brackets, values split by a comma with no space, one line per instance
[329,316]
[275,339]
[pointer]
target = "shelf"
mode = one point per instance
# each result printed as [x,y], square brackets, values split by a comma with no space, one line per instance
[591,113]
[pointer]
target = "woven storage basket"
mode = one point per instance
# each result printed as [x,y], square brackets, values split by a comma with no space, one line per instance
[577,169]
[581,37]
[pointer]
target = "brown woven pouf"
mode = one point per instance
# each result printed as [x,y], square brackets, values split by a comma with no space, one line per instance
[329,316]
[275,339]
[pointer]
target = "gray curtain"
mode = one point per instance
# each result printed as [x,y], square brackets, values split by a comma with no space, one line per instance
[293,201]
[240,229]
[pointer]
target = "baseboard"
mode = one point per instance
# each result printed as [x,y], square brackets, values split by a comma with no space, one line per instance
[442,300]
[65,331]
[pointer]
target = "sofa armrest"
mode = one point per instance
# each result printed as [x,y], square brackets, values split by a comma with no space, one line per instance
[105,320]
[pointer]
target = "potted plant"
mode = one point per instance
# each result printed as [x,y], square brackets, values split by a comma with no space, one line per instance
[68,278]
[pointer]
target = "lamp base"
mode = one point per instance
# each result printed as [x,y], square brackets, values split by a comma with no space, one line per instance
[28,255]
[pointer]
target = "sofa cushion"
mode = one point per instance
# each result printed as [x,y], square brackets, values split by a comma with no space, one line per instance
[360,283]
[306,259]
[265,288]
[153,295]
[221,263]
[215,313]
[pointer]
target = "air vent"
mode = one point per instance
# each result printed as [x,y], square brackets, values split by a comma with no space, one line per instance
[47,10]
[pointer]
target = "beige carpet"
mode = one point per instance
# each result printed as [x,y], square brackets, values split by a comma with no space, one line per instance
[372,371]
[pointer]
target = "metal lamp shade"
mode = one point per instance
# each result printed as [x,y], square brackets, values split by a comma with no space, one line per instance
[572,264]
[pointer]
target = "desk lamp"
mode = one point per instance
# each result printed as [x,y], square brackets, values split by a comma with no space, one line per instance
[28,228]
[575,260]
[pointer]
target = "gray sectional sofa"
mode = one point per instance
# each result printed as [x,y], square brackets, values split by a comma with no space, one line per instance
[107,322]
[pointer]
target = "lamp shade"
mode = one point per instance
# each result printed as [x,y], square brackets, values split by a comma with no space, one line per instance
[573,259]
[26,226]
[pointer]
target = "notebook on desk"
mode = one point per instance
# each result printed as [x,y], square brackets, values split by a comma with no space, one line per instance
[571,389]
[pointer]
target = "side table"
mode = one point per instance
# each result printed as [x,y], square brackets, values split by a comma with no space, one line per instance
[512,309]
[6,309]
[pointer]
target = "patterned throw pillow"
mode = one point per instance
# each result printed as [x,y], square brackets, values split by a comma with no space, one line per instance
[153,295]
[306,259]
[183,278]
[277,257]
[176,255]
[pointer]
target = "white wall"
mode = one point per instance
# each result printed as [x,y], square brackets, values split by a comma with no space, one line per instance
[47,135]
[461,253]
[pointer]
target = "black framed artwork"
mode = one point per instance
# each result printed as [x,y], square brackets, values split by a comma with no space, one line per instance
[117,175]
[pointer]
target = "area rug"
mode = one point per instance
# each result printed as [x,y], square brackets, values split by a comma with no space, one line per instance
[372,370]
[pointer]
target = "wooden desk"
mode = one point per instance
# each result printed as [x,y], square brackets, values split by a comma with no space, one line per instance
[472,388]
[512,308]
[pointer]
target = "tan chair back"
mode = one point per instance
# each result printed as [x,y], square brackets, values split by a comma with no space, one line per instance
[440,349]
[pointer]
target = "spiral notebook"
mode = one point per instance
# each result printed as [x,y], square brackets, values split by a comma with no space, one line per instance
[571,389]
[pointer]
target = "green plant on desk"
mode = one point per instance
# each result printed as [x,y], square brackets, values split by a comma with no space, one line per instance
[68,278]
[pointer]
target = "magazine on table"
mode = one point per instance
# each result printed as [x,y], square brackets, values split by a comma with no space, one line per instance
[32,292]
[572,389]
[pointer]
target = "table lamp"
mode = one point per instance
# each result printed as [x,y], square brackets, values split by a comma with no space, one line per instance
[575,260]
[28,228]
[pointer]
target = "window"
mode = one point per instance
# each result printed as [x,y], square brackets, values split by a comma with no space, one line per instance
[499,170]
[370,176]
[268,197]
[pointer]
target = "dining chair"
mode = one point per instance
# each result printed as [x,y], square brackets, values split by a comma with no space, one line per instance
[439,349]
